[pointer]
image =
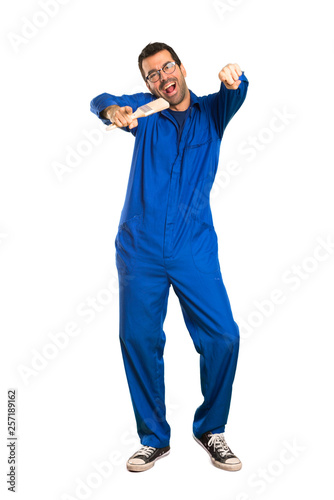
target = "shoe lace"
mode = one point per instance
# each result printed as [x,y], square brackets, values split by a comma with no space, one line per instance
[145,450]
[218,442]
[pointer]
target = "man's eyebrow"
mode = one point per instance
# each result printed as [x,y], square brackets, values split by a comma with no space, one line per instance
[153,70]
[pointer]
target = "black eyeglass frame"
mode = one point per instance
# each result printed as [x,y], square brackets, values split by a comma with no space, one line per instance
[158,71]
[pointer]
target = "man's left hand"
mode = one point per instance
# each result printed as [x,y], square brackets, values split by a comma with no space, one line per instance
[229,75]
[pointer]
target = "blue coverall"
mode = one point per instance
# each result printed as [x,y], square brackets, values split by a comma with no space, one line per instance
[166,237]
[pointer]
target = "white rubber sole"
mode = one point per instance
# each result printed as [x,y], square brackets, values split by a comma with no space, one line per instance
[144,467]
[228,467]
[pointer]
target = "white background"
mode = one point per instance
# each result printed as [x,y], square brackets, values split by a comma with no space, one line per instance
[57,248]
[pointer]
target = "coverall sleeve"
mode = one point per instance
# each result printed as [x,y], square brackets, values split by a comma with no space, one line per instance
[102,101]
[223,105]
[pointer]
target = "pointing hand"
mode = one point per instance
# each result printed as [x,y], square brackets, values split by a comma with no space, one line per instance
[229,75]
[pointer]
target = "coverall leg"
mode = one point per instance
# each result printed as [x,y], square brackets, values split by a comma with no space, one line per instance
[143,296]
[207,313]
[144,290]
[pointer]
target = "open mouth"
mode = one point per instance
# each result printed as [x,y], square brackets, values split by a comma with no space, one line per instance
[170,88]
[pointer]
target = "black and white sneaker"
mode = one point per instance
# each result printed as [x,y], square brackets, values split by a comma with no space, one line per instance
[221,455]
[145,458]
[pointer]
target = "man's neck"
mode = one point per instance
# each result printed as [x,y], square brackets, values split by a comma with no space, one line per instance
[183,105]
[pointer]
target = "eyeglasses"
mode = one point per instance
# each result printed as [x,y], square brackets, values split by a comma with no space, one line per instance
[167,68]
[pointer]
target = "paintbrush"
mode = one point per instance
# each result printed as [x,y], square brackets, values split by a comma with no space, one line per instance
[146,110]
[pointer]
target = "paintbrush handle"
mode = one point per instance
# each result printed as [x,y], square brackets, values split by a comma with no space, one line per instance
[111,127]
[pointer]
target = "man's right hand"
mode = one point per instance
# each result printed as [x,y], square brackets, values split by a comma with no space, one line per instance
[121,117]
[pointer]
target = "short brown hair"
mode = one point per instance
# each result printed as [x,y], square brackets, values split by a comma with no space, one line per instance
[154,48]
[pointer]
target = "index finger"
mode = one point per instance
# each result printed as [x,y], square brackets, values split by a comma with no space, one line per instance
[238,70]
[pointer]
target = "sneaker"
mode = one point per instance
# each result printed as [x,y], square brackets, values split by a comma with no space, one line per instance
[145,458]
[221,455]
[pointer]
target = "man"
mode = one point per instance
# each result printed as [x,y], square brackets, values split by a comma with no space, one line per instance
[166,237]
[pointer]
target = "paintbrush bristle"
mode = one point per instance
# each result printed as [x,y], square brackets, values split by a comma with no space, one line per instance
[154,106]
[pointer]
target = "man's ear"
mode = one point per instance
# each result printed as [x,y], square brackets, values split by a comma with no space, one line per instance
[183,70]
[147,85]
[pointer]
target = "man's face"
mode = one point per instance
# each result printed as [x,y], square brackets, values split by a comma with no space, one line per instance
[174,93]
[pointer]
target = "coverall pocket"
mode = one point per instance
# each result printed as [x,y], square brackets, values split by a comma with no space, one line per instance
[196,162]
[126,244]
[204,246]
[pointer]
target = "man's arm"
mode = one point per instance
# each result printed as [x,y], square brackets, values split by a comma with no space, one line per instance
[224,104]
[118,109]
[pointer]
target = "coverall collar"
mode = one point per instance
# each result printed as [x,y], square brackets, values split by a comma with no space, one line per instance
[193,100]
